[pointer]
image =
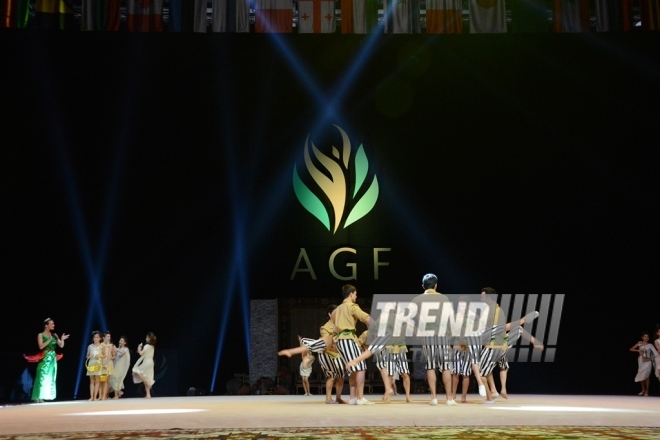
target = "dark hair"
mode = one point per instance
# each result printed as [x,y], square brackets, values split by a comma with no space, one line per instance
[347,289]
[429,281]
[489,291]
[331,308]
[124,338]
[96,332]
[45,322]
[151,338]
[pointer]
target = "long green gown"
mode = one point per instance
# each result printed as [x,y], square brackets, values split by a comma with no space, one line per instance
[44,382]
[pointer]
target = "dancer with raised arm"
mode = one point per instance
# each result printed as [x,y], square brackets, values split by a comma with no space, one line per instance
[44,381]
[143,371]
[647,353]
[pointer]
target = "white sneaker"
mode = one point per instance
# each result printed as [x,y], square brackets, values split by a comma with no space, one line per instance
[364,401]
[352,401]
[488,402]
[433,402]
[482,390]
[451,402]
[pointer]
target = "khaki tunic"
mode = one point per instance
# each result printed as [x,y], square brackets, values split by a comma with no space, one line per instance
[345,317]
[328,329]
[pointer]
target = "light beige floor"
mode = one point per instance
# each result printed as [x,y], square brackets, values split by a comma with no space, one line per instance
[311,411]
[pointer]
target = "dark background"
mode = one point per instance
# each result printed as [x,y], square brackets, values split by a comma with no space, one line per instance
[162,164]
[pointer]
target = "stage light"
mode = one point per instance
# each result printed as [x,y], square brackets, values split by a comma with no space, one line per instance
[223,326]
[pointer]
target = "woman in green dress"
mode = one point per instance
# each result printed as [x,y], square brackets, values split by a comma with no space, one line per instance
[44,381]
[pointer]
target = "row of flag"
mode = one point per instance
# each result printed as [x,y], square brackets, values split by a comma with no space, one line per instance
[319,16]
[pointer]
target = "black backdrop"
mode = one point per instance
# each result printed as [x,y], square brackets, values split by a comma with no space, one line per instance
[523,162]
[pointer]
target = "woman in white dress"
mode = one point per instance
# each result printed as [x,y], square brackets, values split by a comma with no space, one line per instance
[143,371]
[122,362]
[94,357]
[647,353]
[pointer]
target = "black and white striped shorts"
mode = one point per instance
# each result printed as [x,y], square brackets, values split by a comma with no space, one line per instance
[489,358]
[462,365]
[315,345]
[349,350]
[332,367]
[437,357]
[394,362]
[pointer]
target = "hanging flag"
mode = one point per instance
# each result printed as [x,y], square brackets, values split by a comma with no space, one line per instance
[571,16]
[359,16]
[609,15]
[231,16]
[650,14]
[627,15]
[273,16]
[529,16]
[100,15]
[55,14]
[187,16]
[144,15]
[487,17]
[402,16]
[444,17]
[15,13]
[316,17]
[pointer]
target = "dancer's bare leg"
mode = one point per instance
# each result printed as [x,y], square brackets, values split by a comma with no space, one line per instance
[305,383]
[406,386]
[431,379]
[480,382]
[104,389]
[359,383]
[93,387]
[329,382]
[387,382]
[366,354]
[489,395]
[503,376]
[394,387]
[339,386]
[352,385]
[446,381]
[465,386]
[292,351]
[302,349]
[491,383]
[454,384]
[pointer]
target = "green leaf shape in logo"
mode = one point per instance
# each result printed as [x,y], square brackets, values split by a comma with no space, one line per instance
[368,201]
[309,201]
[334,184]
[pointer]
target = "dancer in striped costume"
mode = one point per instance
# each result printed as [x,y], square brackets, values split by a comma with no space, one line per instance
[345,317]
[331,362]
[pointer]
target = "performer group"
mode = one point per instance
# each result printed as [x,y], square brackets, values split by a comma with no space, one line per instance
[341,350]
[107,365]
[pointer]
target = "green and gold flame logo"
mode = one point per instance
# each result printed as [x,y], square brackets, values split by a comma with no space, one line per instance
[335,185]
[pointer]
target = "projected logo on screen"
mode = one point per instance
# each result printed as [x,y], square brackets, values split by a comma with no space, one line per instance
[333,199]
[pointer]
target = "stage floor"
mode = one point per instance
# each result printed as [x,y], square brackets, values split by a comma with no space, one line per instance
[204,412]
